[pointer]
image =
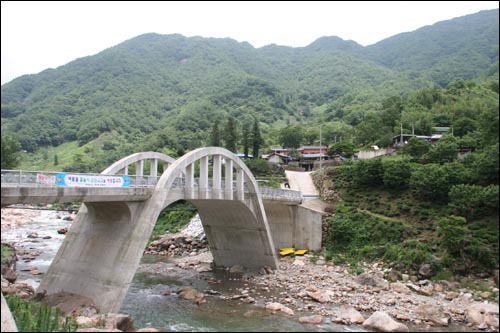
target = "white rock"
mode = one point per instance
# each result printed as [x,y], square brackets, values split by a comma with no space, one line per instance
[381,321]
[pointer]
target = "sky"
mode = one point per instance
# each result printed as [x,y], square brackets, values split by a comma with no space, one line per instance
[48,34]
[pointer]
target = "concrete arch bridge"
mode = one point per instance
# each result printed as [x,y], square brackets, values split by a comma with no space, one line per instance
[100,254]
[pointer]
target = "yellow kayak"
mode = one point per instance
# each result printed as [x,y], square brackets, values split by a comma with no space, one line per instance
[286,251]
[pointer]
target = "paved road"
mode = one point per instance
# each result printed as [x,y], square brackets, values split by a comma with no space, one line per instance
[302,181]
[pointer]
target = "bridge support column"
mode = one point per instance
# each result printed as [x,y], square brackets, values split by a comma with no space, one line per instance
[153,172]
[139,168]
[228,195]
[189,190]
[240,185]
[139,172]
[217,177]
[203,186]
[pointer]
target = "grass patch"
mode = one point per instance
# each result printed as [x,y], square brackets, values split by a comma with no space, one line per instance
[7,254]
[32,316]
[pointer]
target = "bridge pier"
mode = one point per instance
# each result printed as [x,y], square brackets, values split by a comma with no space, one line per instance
[100,253]
[236,234]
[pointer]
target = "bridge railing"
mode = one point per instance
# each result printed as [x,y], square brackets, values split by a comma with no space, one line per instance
[47,179]
[271,193]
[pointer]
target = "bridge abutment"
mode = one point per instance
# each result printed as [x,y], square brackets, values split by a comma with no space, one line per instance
[294,225]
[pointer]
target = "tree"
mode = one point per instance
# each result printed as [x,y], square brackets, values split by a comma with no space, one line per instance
[336,131]
[230,135]
[484,165]
[417,148]
[245,140]
[430,182]
[215,139]
[257,140]
[342,148]
[10,152]
[445,151]
[291,136]
[467,200]
[369,130]
[56,160]
[464,125]
[311,135]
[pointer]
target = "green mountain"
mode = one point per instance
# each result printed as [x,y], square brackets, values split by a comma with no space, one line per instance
[155,91]
[457,49]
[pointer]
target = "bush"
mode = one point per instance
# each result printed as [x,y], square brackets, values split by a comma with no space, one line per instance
[452,233]
[347,231]
[260,167]
[429,182]
[415,253]
[392,253]
[8,254]
[368,172]
[396,174]
[31,316]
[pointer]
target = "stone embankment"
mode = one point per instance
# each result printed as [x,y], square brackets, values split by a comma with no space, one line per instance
[188,242]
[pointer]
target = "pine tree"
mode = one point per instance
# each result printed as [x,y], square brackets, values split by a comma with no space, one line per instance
[10,152]
[230,135]
[257,140]
[215,139]
[245,140]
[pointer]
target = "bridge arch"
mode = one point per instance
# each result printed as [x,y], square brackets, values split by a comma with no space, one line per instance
[230,206]
[139,159]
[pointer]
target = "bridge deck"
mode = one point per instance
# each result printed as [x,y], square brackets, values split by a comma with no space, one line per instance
[31,187]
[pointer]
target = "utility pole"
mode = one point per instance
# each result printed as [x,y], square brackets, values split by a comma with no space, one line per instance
[401,139]
[320,149]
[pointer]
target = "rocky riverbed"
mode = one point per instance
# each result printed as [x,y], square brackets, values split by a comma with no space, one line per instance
[313,292]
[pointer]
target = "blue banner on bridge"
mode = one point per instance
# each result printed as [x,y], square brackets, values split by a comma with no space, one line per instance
[79,180]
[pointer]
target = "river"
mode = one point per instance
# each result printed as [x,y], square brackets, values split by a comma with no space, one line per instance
[149,305]
[145,301]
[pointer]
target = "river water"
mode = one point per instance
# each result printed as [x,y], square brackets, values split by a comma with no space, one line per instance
[147,303]
[145,300]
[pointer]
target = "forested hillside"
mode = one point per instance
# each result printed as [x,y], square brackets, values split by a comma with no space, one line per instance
[165,92]
[458,49]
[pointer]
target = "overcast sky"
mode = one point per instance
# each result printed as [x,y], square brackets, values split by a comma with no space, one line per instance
[41,35]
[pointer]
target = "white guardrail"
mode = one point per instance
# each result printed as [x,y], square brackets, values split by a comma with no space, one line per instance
[70,179]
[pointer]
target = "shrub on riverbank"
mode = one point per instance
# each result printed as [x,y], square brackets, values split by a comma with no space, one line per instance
[8,255]
[379,215]
[32,316]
